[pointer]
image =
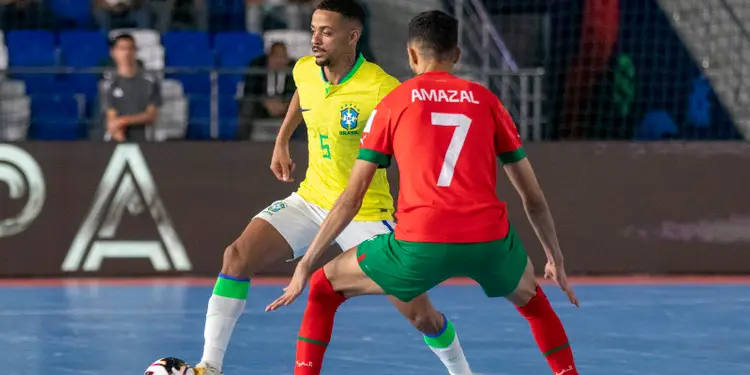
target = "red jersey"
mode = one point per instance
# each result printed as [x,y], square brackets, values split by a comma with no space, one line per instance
[446,133]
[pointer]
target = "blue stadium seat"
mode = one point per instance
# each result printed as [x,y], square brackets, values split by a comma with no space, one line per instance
[31,48]
[228,81]
[193,83]
[55,118]
[20,39]
[199,118]
[189,50]
[235,50]
[239,45]
[83,49]
[75,13]
[193,41]
[228,107]
[228,112]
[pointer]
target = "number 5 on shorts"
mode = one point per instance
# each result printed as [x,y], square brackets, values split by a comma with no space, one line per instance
[462,123]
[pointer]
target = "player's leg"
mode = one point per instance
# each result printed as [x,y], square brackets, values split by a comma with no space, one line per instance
[546,326]
[330,286]
[439,333]
[367,269]
[260,244]
[503,269]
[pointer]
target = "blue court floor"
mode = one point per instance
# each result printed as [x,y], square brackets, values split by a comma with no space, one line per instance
[618,330]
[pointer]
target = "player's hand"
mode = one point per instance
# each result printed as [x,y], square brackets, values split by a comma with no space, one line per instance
[282,165]
[556,273]
[299,281]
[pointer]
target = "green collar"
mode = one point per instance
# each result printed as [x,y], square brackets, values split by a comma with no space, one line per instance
[357,64]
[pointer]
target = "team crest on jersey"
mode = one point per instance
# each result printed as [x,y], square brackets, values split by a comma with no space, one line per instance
[275,207]
[349,119]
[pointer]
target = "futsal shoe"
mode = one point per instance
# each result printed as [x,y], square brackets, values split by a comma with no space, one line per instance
[206,369]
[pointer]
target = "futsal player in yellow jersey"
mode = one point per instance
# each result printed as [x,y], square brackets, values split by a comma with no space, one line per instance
[335,116]
[336,92]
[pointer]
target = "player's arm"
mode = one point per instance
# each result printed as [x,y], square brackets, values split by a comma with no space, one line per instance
[523,178]
[294,112]
[518,168]
[282,165]
[291,121]
[375,152]
[343,212]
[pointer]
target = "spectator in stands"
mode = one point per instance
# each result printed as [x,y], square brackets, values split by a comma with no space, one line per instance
[133,96]
[267,95]
[21,14]
[122,13]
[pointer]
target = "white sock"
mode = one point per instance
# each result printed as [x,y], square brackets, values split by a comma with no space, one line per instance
[446,346]
[221,317]
[453,358]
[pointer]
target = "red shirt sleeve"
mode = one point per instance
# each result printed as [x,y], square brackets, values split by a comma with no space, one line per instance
[507,140]
[376,143]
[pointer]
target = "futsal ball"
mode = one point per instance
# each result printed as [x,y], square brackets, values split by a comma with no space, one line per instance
[169,366]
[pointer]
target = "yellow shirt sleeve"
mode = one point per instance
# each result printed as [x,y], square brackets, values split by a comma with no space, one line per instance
[299,70]
[387,86]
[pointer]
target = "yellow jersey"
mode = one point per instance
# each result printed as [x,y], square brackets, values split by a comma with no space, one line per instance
[335,116]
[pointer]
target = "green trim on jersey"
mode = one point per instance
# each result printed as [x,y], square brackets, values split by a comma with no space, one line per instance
[357,64]
[511,157]
[379,158]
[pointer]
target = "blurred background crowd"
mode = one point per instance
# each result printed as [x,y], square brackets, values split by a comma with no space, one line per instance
[220,69]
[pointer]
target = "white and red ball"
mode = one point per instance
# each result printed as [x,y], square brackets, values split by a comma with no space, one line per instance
[169,366]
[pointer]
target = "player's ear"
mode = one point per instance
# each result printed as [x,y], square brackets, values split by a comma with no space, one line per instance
[457,55]
[413,55]
[354,36]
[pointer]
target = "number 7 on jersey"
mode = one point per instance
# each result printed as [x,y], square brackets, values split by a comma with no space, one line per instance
[462,123]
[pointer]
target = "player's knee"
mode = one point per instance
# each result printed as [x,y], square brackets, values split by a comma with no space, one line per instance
[320,288]
[526,288]
[524,293]
[234,264]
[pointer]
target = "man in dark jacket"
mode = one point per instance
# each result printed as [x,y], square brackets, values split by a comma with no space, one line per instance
[267,95]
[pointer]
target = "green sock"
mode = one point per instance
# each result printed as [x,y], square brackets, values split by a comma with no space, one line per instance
[231,287]
[444,338]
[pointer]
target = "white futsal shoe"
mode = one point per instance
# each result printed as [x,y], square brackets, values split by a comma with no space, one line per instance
[206,369]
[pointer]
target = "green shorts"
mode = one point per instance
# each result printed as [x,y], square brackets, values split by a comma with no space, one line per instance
[406,270]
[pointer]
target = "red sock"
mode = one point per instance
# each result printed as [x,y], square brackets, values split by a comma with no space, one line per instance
[317,324]
[549,334]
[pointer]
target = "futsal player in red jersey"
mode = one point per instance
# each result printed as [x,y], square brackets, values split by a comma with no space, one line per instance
[447,134]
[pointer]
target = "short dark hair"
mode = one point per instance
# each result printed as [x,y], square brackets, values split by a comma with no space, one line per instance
[436,32]
[119,37]
[276,45]
[350,9]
